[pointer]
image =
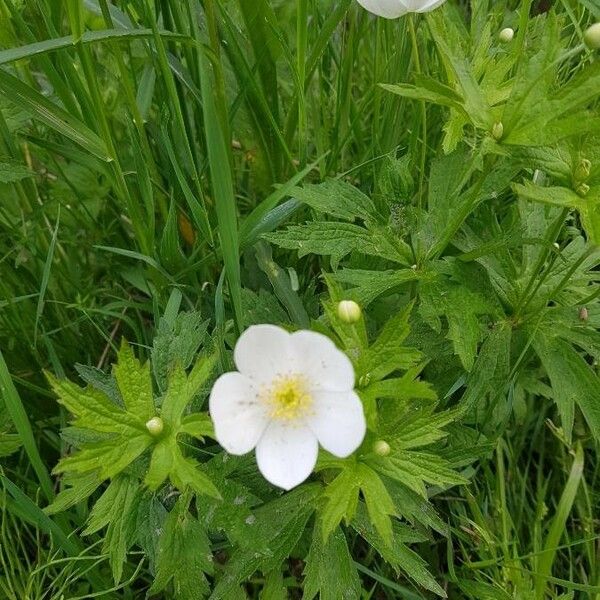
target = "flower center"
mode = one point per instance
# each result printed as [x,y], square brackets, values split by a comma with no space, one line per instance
[288,398]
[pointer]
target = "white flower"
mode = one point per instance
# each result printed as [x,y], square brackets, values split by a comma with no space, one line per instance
[291,392]
[392,9]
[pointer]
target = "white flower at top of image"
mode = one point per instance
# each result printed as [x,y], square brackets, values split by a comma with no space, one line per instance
[291,392]
[392,9]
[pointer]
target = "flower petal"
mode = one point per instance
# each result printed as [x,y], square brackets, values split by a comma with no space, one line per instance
[263,352]
[429,6]
[286,454]
[239,417]
[324,365]
[389,9]
[338,422]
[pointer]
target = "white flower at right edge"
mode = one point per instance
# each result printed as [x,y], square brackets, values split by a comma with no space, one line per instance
[392,9]
[292,392]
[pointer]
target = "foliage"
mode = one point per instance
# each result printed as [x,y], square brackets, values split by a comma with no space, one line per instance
[173,172]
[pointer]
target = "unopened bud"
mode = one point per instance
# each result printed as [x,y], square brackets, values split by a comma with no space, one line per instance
[556,245]
[583,170]
[592,36]
[583,189]
[506,35]
[498,130]
[348,311]
[155,426]
[382,448]
[583,314]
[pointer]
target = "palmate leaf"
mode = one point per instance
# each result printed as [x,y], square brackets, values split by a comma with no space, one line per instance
[329,570]
[270,535]
[117,510]
[588,205]
[184,555]
[342,494]
[397,554]
[113,435]
[335,239]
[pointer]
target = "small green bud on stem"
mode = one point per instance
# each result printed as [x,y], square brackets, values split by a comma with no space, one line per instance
[506,35]
[583,170]
[349,311]
[155,426]
[498,130]
[381,448]
[592,36]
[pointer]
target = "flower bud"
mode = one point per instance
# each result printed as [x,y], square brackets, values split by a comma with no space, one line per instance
[155,426]
[506,35]
[381,448]
[349,312]
[583,170]
[583,314]
[498,130]
[592,36]
[583,189]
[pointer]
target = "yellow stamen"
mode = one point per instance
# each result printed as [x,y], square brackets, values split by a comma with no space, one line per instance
[288,398]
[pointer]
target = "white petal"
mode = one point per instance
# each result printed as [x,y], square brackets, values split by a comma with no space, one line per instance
[263,352]
[238,415]
[338,422]
[429,6]
[389,9]
[323,364]
[286,454]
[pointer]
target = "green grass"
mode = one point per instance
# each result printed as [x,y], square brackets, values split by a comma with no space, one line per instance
[146,148]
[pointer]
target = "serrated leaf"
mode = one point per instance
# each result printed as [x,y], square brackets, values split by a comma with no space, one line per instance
[572,379]
[270,538]
[338,199]
[341,498]
[11,172]
[183,556]
[329,238]
[388,353]
[398,555]
[176,343]
[330,572]
[77,488]
[135,383]
[9,443]
[379,503]
[117,509]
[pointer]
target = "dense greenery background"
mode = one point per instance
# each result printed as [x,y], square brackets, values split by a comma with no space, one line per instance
[172,172]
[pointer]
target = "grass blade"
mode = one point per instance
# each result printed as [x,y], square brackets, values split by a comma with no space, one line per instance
[17,413]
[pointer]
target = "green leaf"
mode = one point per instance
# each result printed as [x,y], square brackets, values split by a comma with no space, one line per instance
[117,509]
[184,555]
[176,342]
[77,488]
[388,353]
[329,571]
[271,536]
[11,172]
[397,554]
[338,199]
[379,503]
[135,384]
[329,238]
[51,115]
[341,498]
[9,443]
[573,381]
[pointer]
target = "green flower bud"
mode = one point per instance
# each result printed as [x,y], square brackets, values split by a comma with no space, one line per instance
[498,130]
[583,189]
[506,35]
[583,170]
[349,312]
[155,426]
[381,448]
[592,36]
